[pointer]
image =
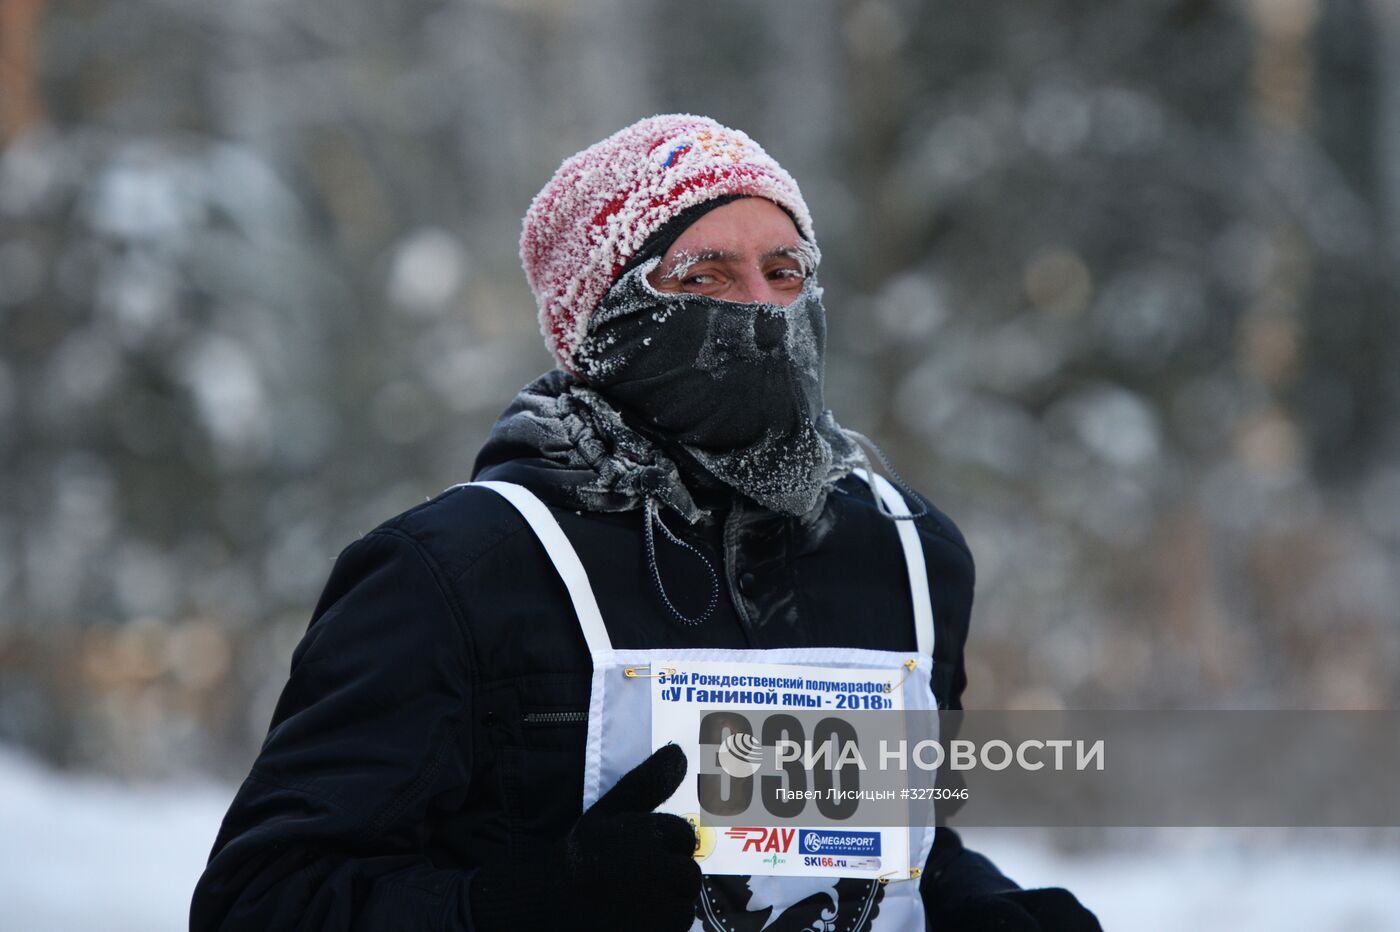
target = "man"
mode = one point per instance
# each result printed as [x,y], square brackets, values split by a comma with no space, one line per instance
[675,483]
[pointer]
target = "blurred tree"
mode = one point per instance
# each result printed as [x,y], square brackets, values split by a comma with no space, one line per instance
[20,106]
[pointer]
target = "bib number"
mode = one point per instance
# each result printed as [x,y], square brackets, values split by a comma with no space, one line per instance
[776,778]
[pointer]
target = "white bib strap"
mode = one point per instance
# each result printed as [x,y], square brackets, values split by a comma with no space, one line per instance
[566,562]
[913,560]
[563,556]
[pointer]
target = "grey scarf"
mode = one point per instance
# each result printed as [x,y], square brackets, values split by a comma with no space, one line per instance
[578,444]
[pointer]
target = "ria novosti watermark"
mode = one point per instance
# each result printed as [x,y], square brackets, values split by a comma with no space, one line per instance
[1149,768]
[927,754]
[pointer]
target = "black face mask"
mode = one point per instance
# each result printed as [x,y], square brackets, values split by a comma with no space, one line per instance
[738,386]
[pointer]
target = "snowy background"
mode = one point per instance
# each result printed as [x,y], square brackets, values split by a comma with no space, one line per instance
[1117,285]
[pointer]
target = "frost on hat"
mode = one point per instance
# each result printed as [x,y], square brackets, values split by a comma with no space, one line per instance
[604,202]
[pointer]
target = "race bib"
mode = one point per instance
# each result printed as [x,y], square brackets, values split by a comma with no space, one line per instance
[779,770]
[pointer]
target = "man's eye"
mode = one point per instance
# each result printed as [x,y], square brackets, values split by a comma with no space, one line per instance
[699,280]
[790,274]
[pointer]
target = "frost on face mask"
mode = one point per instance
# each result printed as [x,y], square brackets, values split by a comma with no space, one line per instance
[739,386]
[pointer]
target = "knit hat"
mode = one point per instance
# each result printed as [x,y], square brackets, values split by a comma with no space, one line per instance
[605,202]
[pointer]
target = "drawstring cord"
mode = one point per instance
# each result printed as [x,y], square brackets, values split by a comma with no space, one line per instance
[653,515]
[652,512]
[866,443]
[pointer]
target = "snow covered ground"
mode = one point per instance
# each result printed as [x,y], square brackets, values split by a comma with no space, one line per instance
[84,852]
[1203,880]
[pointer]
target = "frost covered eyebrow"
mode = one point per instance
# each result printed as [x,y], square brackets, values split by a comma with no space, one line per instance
[685,261]
[802,255]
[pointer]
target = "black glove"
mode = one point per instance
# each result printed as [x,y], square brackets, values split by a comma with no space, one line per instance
[621,866]
[1048,909]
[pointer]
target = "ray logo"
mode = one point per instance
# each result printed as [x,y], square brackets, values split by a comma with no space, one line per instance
[762,840]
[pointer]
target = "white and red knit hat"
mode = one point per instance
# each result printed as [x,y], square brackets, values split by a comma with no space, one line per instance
[604,202]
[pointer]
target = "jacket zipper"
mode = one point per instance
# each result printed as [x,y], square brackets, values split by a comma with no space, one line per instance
[571,717]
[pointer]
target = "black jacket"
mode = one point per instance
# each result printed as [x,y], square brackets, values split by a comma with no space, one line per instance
[404,751]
